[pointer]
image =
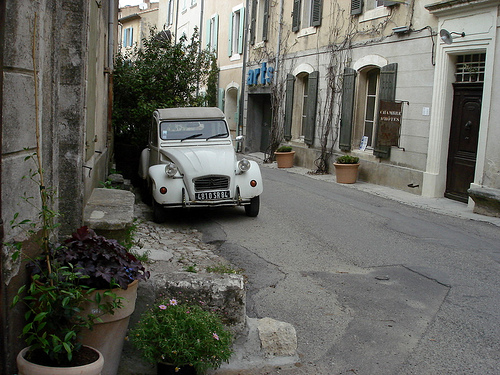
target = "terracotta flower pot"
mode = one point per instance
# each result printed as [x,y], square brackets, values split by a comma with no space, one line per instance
[284,159]
[108,336]
[346,173]
[25,367]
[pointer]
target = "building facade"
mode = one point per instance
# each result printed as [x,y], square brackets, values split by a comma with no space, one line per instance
[135,23]
[405,86]
[56,60]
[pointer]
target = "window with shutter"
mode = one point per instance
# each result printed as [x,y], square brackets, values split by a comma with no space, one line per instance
[356,7]
[296,15]
[220,99]
[306,13]
[265,20]
[290,83]
[347,114]
[253,22]
[317,8]
[387,92]
[236,32]
[310,110]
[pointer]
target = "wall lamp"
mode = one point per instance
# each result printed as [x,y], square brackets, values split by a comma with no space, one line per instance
[447,36]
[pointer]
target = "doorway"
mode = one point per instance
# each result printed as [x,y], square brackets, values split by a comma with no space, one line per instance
[464,135]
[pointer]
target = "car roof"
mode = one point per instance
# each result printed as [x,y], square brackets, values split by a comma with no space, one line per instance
[190,113]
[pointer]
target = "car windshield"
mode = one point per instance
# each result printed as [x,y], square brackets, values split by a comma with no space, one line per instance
[201,129]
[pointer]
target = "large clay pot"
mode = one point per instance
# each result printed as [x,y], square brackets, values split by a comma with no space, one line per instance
[108,336]
[346,173]
[284,159]
[25,367]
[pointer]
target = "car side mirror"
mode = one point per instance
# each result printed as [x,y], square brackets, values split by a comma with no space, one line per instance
[239,138]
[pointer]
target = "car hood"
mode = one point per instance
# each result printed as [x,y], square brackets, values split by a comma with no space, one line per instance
[195,161]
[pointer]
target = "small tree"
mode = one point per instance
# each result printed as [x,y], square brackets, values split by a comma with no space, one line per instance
[162,74]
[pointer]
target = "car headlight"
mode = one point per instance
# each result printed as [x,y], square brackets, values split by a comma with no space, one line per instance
[243,165]
[171,169]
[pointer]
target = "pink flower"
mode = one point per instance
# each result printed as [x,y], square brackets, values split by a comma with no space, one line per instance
[215,336]
[173,302]
[163,307]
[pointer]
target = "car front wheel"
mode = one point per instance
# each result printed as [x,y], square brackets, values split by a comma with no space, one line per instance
[252,209]
[159,213]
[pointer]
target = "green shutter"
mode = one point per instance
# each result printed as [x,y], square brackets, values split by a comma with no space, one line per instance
[317,7]
[296,15]
[290,81]
[265,20]
[237,114]
[389,3]
[241,32]
[387,92]
[356,7]
[220,99]
[208,33]
[215,27]
[346,118]
[253,22]
[312,100]
[230,42]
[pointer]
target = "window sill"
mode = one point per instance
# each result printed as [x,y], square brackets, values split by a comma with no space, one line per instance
[307,31]
[259,45]
[235,57]
[374,14]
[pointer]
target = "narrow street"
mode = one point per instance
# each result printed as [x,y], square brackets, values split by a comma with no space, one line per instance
[372,286]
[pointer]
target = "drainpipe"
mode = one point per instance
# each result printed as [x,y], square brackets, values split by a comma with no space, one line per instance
[278,45]
[3,319]
[109,70]
[200,38]
[176,20]
[243,80]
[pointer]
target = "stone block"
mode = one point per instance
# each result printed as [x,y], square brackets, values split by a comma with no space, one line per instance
[487,201]
[278,339]
[224,293]
[110,212]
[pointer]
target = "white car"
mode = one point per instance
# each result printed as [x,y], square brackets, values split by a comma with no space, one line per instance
[190,161]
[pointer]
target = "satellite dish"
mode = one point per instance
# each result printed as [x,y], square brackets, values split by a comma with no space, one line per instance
[446,36]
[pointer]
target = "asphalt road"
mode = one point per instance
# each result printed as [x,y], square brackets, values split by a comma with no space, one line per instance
[372,286]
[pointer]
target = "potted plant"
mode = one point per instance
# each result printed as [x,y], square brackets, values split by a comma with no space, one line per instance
[346,169]
[182,338]
[113,273]
[54,321]
[284,156]
[72,286]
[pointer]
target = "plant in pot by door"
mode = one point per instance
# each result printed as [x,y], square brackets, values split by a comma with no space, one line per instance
[53,324]
[346,169]
[113,273]
[182,338]
[284,156]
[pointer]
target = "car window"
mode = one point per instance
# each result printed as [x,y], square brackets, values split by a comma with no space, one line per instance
[200,129]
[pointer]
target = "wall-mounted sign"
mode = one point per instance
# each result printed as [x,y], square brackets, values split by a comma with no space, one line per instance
[389,123]
[260,76]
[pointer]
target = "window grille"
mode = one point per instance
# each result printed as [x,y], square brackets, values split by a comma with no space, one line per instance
[470,68]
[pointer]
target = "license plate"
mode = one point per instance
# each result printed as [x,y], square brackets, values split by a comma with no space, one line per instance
[212,195]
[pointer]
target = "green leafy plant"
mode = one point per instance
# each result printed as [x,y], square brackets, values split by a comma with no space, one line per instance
[347,159]
[182,334]
[222,268]
[162,74]
[284,148]
[54,315]
[191,268]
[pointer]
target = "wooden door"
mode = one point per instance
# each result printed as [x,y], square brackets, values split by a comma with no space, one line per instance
[464,135]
